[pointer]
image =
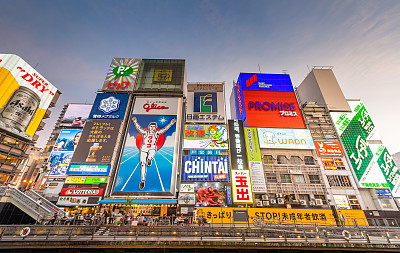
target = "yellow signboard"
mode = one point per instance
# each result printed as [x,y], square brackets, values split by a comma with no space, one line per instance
[281,215]
[75,180]
[163,75]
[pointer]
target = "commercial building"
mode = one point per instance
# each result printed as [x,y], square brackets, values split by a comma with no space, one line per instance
[364,155]
[26,97]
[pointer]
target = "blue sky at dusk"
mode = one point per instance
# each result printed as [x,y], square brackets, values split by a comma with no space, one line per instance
[73,43]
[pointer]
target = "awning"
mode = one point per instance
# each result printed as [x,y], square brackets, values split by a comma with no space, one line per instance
[138,201]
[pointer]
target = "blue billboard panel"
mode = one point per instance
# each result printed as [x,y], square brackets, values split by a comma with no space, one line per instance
[206,168]
[271,82]
[89,169]
[205,102]
[67,140]
[109,106]
[58,162]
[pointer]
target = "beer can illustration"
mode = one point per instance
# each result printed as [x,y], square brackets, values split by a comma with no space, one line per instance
[20,109]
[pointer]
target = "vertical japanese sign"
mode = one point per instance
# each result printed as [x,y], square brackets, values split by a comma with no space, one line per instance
[242,192]
[254,158]
[372,163]
[237,146]
[97,142]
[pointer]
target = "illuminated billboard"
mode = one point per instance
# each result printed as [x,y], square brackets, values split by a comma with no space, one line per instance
[97,142]
[371,161]
[272,109]
[88,169]
[237,145]
[205,103]
[205,168]
[241,186]
[76,115]
[328,148]
[25,96]
[210,194]
[149,158]
[122,74]
[205,137]
[109,106]
[85,180]
[63,151]
[285,138]
[259,82]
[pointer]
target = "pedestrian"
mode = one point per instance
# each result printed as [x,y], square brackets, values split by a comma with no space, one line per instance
[39,201]
[342,219]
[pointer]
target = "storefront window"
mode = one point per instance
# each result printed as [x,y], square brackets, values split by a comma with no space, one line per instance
[295,160]
[271,177]
[299,179]
[386,203]
[268,159]
[354,204]
[309,160]
[285,178]
[13,142]
[314,179]
[282,159]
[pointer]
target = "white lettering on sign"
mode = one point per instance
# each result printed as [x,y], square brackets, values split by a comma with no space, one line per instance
[200,166]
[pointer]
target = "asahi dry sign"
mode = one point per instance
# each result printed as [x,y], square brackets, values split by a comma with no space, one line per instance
[25,96]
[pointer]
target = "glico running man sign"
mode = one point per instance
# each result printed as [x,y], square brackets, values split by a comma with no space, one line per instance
[149,159]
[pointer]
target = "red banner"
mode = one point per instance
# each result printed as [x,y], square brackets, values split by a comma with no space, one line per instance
[328,148]
[82,192]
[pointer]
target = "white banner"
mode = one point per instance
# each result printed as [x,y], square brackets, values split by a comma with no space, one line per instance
[257,177]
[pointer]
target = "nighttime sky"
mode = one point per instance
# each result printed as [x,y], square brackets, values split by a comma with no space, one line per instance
[73,43]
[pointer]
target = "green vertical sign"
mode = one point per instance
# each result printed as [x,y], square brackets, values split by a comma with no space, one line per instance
[252,144]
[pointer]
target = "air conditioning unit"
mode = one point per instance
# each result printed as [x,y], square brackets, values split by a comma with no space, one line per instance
[272,201]
[303,202]
[296,201]
[279,195]
[312,203]
[264,197]
[319,202]
[281,201]
[265,203]
[259,203]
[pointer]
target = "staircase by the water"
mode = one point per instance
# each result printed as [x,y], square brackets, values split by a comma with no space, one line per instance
[29,203]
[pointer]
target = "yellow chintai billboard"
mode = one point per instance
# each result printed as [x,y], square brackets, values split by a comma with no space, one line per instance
[282,215]
[25,96]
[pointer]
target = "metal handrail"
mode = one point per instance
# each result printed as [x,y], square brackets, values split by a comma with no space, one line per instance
[45,202]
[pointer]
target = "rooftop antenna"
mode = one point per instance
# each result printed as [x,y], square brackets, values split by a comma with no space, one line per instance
[37,64]
[308,68]
[259,69]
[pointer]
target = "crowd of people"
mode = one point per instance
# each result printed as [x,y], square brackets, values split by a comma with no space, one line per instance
[121,219]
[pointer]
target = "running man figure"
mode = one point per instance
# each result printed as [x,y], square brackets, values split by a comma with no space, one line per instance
[148,148]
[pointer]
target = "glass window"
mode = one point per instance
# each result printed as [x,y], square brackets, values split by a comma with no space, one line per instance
[339,181]
[321,197]
[339,164]
[268,159]
[285,178]
[295,160]
[299,179]
[304,197]
[282,159]
[309,160]
[314,179]
[271,177]
[386,203]
[13,142]
[354,203]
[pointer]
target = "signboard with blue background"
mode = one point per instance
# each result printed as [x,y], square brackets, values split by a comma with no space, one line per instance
[109,106]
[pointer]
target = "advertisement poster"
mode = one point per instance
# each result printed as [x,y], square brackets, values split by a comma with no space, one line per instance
[237,145]
[148,158]
[25,96]
[341,201]
[241,186]
[109,106]
[255,82]
[58,162]
[76,115]
[122,74]
[85,180]
[205,137]
[205,103]
[67,140]
[97,142]
[272,109]
[285,138]
[88,169]
[372,163]
[186,199]
[205,168]
[328,148]
[210,194]
[76,200]
[82,192]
